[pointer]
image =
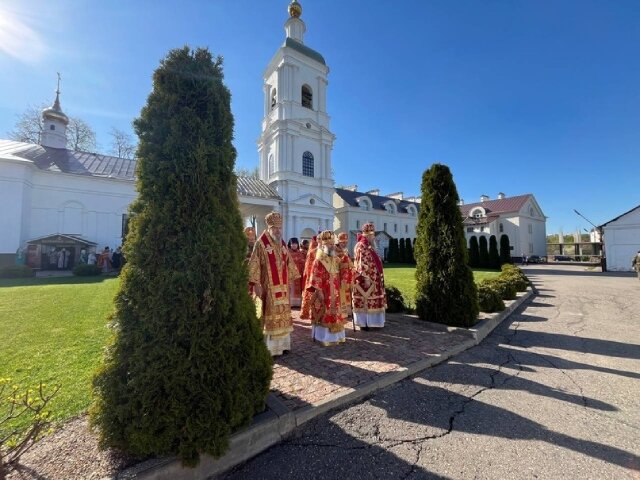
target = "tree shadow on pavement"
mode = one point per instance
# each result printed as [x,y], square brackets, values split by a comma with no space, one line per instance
[559,341]
[461,413]
[323,450]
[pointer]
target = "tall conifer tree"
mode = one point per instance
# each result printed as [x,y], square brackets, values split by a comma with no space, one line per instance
[505,249]
[494,256]
[409,248]
[187,364]
[402,255]
[484,252]
[474,252]
[445,289]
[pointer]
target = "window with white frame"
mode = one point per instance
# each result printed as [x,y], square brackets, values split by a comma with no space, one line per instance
[501,228]
[530,229]
[358,224]
[406,229]
[272,165]
[364,204]
[531,248]
[307,164]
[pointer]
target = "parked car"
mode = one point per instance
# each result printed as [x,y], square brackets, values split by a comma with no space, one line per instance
[562,258]
[535,259]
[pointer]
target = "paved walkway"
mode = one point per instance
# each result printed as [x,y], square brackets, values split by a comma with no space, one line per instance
[312,373]
[552,393]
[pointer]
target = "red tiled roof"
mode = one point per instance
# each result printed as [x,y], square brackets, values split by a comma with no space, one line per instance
[504,205]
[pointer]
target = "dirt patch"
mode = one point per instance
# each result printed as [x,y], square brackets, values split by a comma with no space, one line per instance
[71,452]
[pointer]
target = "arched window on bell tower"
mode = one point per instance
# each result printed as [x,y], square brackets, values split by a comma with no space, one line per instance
[307,97]
[307,164]
[272,165]
[273,98]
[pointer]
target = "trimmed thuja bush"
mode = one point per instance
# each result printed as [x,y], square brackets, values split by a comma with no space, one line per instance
[515,276]
[483,257]
[505,249]
[503,286]
[409,249]
[489,298]
[445,290]
[187,364]
[474,252]
[494,256]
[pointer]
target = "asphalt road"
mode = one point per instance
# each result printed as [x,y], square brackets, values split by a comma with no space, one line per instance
[554,392]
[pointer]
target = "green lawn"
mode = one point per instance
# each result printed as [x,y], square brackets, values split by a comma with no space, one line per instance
[54,330]
[402,276]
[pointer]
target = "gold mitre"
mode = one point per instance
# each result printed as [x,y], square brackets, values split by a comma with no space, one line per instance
[368,228]
[343,237]
[274,219]
[327,238]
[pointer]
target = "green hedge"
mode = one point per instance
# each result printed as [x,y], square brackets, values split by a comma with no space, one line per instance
[505,287]
[83,270]
[489,298]
[16,271]
[395,300]
[515,276]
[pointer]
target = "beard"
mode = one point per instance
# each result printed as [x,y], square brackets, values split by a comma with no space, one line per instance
[330,252]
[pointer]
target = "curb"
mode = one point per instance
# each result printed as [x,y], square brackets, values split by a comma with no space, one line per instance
[273,425]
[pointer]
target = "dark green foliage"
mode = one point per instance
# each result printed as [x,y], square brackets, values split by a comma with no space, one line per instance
[83,270]
[402,255]
[515,276]
[187,365]
[474,252]
[393,255]
[409,251]
[483,257]
[505,250]
[16,271]
[494,256]
[395,300]
[445,289]
[504,287]
[489,298]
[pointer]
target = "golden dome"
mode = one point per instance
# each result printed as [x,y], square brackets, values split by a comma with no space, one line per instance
[295,9]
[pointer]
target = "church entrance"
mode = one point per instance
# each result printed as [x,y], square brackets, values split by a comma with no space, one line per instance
[307,234]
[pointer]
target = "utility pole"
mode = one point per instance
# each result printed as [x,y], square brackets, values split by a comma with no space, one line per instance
[603,258]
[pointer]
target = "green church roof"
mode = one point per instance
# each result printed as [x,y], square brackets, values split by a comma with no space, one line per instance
[304,50]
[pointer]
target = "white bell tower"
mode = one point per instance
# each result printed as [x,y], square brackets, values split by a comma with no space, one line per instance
[296,143]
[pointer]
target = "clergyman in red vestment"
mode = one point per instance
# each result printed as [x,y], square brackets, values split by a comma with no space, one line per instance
[270,269]
[369,299]
[327,318]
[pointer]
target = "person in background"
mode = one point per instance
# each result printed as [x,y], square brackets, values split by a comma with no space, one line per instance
[299,259]
[635,263]
[305,311]
[116,259]
[104,260]
[250,233]
[346,273]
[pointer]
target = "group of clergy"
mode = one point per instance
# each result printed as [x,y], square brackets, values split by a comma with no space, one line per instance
[323,280]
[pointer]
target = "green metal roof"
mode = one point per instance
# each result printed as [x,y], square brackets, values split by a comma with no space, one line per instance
[304,50]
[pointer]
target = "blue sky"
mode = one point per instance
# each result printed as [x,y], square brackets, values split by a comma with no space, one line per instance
[537,97]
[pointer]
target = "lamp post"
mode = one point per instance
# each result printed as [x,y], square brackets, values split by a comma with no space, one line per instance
[603,258]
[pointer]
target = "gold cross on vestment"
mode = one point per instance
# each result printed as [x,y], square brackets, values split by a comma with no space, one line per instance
[269,249]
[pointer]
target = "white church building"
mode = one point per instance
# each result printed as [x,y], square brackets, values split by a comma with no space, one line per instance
[53,197]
